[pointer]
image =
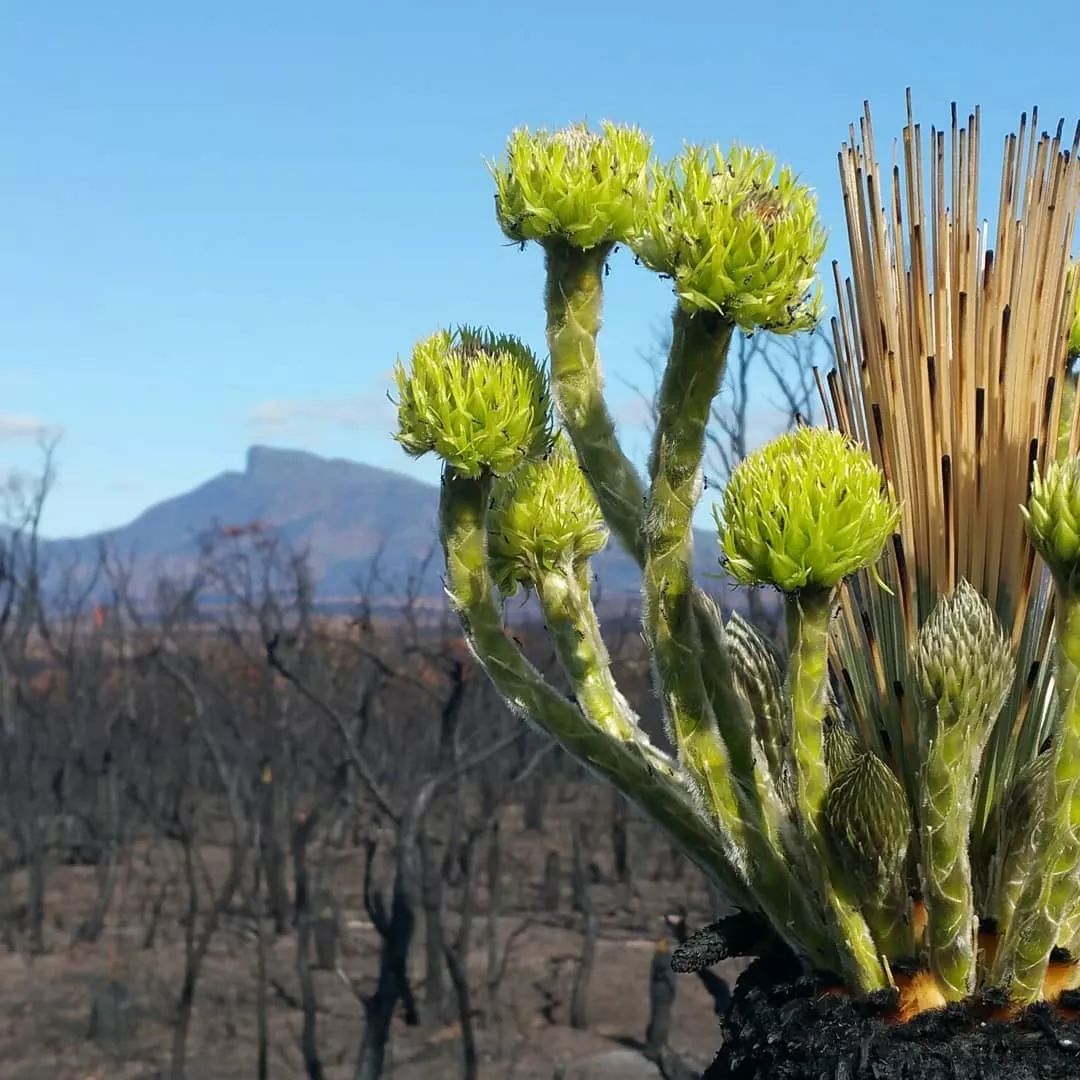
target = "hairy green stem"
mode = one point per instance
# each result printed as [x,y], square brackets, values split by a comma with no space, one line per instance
[947,777]
[574,300]
[1051,891]
[572,622]
[736,788]
[808,615]
[660,794]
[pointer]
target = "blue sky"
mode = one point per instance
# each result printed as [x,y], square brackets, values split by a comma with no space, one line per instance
[222,222]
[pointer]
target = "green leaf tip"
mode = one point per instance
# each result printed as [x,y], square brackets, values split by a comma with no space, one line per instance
[962,658]
[574,185]
[544,517]
[736,238]
[805,511]
[479,400]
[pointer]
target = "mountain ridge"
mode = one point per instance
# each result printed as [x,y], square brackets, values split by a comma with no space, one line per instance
[350,517]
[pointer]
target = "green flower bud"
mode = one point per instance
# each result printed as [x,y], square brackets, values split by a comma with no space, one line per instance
[1053,520]
[735,238]
[574,185]
[544,517]
[805,511]
[962,659]
[869,823]
[479,400]
[757,676]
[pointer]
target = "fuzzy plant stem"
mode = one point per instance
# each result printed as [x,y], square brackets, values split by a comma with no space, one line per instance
[658,793]
[946,786]
[1051,890]
[807,615]
[571,620]
[574,301]
[736,789]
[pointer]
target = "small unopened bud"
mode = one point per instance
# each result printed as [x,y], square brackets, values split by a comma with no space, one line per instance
[544,517]
[868,824]
[1053,520]
[867,816]
[961,658]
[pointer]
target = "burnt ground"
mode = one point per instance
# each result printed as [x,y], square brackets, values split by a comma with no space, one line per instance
[782,1027]
[46,1000]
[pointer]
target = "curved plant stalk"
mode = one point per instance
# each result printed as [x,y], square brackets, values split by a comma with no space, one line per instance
[640,776]
[1050,892]
[808,616]
[963,670]
[573,295]
[572,623]
[715,748]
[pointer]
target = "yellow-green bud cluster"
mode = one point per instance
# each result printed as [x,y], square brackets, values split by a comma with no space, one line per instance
[574,185]
[544,517]
[736,239]
[479,400]
[961,657]
[804,511]
[1053,519]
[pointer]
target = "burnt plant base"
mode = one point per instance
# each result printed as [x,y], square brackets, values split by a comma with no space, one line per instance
[781,1027]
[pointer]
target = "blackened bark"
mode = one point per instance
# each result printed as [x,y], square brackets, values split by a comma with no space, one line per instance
[456,966]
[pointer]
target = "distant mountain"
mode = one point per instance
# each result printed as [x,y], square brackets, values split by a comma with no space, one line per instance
[344,514]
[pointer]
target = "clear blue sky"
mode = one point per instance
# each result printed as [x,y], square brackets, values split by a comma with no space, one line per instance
[222,222]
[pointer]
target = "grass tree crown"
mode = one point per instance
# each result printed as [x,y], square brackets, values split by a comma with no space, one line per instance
[543,517]
[736,238]
[805,511]
[479,400]
[575,185]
